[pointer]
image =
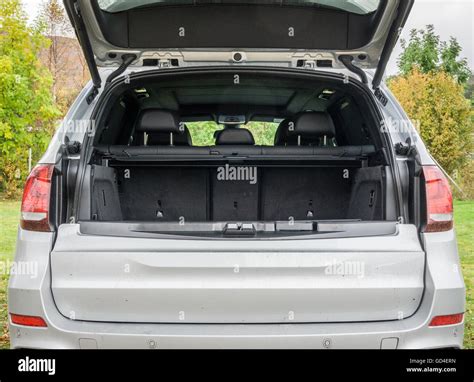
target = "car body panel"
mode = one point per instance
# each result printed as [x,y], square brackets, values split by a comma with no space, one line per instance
[444,294]
[119,279]
[334,34]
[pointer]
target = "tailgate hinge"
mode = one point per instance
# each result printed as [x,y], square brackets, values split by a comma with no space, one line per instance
[404,149]
[348,63]
[127,60]
[93,93]
[380,96]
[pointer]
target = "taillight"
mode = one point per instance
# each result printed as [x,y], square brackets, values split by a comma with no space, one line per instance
[19,319]
[439,200]
[451,319]
[35,206]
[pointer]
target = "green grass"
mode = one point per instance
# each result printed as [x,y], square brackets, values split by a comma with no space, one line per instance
[464,218]
[464,221]
[9,217]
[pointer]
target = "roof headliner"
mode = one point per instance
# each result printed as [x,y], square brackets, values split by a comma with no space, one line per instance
[253,96]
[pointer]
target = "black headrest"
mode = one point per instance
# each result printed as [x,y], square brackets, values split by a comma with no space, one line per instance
[181,139]
[281,135]
[314,124]
[158,121]
[234,136]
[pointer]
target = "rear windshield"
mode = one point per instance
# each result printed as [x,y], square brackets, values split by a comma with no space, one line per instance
[202,133]
[360,7]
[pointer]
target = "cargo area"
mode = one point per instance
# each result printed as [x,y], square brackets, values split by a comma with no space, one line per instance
[325,161]
[268,193]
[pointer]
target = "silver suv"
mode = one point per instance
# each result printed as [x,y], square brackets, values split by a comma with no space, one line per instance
[339,235]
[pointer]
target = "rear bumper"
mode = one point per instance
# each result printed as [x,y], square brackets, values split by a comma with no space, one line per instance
[444,294]
[389,335]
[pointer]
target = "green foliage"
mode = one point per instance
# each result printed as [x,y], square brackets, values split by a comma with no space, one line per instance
[263,132]
[428,53]
[430,97]
[465,181]
[469,90]
[203,132]
[458,68]
[27,110]
[436,103]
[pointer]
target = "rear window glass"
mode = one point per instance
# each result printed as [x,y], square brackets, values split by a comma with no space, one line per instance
[360,7]
[202,133]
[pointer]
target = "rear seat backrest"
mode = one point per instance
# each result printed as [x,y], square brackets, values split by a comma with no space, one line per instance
[281,135]
[313,126]
[162,139]
[237,141]
[162,127]
[234,136]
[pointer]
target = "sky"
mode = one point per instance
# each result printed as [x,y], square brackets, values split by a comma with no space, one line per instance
[450,18]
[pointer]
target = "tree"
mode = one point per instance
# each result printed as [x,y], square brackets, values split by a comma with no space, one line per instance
[469,93]
[438,104]
[27,110]
[63,56]
[55,25]
[428,53]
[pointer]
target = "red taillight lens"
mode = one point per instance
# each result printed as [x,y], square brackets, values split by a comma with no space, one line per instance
[37,322]
[36,199]
[439,200]
[451,319]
